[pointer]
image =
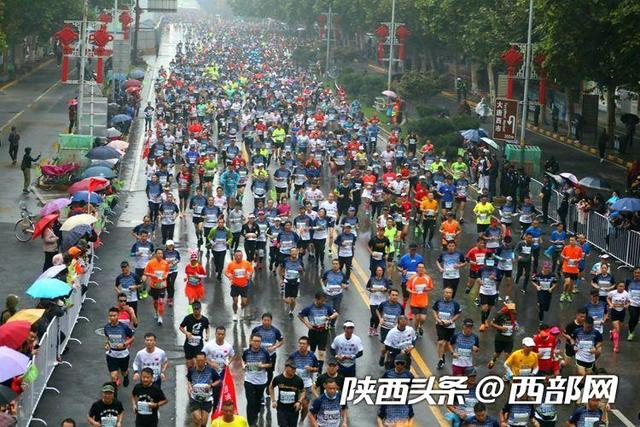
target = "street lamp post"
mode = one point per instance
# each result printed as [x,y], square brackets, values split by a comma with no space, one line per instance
[527,72]
[83,60]
[391,36]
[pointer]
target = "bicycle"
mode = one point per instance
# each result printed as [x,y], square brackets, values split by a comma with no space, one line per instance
[24,226]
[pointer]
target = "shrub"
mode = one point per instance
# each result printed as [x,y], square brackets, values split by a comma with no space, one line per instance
[346,54]
[465,122]
[416,86]
[449,143]
[431,126]
[424,110]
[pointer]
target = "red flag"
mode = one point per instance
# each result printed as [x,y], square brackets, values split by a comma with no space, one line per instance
[227,392]
[95,183]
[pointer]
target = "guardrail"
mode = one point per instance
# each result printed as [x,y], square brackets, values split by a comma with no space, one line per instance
[52,344]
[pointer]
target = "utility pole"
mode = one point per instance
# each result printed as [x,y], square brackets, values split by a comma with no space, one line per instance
[83,60]
[392,38]
[328,35]
[527,72]
[136,29]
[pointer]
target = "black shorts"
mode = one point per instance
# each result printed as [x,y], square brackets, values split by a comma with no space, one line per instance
[156,293]
[383,334]
[183,194]
[280,190]
[239,291]
[444,334]
[474,274]
[585,365]
[572,276]
[303,244]
[198,220]
[616,315]
[291,288]
[419,310]
[287,419]
[450,283]
[505,273]
[569,351]
[488,299]
[318,339]
[298,187]
[196,405]
[405,293]
[391,256]
[500,346]
[190,352]
[117,363]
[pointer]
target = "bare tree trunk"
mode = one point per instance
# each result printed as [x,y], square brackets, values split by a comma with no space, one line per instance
[570,109]
[474,77]
[611,113]
[492,84]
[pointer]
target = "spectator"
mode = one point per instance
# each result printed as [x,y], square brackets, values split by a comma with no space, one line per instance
[69,422]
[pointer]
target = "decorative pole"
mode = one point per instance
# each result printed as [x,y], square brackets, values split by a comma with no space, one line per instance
[66,36]
[512,57]
[100,38]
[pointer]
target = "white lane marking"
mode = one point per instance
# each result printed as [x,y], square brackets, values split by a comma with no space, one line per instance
[626,421]
[19,113]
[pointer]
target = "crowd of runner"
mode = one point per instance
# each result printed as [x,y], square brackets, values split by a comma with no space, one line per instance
[281,175]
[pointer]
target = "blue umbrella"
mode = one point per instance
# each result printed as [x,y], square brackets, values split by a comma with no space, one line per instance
[137,74]
[101,171]
[474,135]
[85,196]
[48,288]
[627,204]
[121,118]
[594,183]
[103,153]
[71,237]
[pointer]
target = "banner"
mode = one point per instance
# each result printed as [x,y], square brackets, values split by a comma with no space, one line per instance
[228,392]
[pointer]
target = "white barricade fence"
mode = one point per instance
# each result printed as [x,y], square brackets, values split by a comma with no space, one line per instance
[52,344]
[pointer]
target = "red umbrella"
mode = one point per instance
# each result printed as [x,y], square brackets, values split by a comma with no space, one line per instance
[14,334]
[96,183]
[133,89]
[42,224]
[195,128]
[72,101]
[132,83]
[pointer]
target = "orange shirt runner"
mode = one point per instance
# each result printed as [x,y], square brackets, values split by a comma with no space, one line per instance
[239,272]
[419,287]
[574,255]
[157,272]
[449,229]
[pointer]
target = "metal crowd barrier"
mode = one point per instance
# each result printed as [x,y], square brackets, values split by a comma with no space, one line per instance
[621,244]
[52,344]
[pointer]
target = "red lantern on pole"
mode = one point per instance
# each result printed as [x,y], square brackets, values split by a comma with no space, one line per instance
[105,17]
[125,20]
[512,57]
[538,60]
[382,32]
[322,20]
[66,36]
[402,34]
[100,38]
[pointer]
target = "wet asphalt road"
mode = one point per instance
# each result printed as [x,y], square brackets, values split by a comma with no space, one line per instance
[79,384]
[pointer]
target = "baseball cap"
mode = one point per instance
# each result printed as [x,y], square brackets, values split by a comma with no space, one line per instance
[332,361]
[349,324]
[251,216]
[196,305]
[108,388]
[528,342]
[170,243]
[290,363]
[467,322]
[401,358]
[352,209]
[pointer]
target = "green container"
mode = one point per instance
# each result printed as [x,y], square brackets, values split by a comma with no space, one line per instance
[532,156]
[73,148]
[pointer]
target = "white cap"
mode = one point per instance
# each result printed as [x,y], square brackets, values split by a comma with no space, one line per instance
[528,342]
[169,243]
[349,324]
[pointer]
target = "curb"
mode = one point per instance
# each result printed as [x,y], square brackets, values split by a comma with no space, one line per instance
[576,144]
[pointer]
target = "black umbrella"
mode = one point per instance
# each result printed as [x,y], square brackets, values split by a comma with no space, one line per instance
[629,119]
[103,153]
[7,395]
[70,238]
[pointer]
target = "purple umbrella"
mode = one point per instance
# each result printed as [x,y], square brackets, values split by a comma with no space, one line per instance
[12,363]
[54,206]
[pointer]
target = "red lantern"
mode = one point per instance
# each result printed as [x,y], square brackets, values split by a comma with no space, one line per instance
[322,20]
[66,36]
[100,38]
[125,20]
[105,17]
[538,60]
[402,34]
[382,32]
[512,57]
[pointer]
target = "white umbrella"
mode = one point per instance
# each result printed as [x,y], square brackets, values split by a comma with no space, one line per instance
[569,177]
[113,133]
[52,272]
[76,220]
[389,93]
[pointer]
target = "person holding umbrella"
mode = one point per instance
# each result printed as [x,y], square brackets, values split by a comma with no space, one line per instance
[73,111]
[49,243]
[25,166]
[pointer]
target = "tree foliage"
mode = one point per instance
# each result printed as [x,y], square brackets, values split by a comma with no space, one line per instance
[415,86]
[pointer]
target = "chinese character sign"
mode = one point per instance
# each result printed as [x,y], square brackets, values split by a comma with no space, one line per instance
[505,120]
